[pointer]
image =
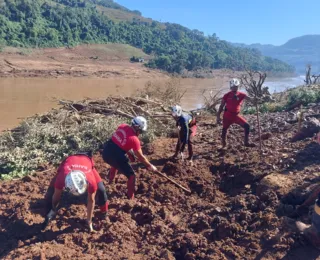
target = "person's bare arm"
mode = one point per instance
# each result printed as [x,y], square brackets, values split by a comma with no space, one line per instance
[90,208]
[56,198]
[139,154]
[144,160]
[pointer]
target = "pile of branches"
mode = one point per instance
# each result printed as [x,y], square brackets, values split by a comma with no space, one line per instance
[127,107]
[76,126]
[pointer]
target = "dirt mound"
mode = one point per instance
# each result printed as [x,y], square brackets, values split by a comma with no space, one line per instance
[232,212]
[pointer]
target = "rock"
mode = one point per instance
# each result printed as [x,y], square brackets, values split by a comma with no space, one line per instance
[27,179]
[309,129]
[266,136]
[277,182]
[166,254]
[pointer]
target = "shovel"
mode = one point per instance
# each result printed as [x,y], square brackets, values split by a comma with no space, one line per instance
[169,179]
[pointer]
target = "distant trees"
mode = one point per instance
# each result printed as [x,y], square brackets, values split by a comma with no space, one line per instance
[34,23]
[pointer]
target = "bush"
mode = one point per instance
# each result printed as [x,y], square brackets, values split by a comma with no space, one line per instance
[169,92]
[304,95]
[264,108]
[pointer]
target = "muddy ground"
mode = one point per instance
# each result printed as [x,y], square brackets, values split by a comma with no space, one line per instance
[234,211]
[98,61]
[93,61]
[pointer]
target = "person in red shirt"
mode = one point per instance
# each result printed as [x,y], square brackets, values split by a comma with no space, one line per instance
[232,102]
[77,175]
[125,141]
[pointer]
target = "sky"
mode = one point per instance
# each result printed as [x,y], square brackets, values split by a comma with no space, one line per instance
[239,21]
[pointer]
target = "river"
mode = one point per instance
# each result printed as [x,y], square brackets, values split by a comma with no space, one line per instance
[23,97]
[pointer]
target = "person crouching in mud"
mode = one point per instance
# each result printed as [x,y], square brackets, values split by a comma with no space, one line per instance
[77,175]
[232,103]
[125,141]
[187,129]
[311,232]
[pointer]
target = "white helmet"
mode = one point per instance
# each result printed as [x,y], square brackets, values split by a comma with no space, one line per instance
[234,83]
[140,122]
[76,182]
[176,110]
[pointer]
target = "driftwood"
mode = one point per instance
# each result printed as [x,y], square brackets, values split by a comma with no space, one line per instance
[316,79]
[211,102]
[127,107]
[308,75]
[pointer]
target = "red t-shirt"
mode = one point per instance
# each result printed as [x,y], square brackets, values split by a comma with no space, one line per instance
[82,163]
[126,138]
[234,100]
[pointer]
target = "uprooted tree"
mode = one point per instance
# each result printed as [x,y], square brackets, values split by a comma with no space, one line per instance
[316,79]
[258,94]
[308,80]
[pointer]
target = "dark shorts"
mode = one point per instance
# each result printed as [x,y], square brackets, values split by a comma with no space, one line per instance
[116,157]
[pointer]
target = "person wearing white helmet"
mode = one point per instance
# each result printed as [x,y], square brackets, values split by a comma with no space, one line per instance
[231,103]
[125,141]
[187,129]
[77,175]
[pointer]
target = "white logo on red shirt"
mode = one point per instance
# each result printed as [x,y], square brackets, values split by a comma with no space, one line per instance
[84,168]
[123,140]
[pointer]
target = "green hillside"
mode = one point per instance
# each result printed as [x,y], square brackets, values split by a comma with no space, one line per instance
[54,23]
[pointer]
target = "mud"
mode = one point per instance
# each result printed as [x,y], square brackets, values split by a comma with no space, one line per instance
[234,212]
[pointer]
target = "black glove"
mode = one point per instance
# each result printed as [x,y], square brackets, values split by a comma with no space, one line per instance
[51,215]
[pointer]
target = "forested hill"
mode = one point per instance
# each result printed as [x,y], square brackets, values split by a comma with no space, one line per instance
[54,23]
[298,51]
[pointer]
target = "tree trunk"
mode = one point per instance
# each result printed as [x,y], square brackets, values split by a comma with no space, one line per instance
[259,128]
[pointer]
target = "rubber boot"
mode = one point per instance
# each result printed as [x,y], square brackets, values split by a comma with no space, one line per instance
[112,174]
[246,141]
[131,187]
[224,138]
[190,151]
[104,209]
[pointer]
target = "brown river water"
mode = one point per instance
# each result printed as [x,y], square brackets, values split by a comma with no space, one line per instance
[24,97]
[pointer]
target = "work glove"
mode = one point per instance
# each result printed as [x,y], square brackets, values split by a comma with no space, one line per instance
[51,215]
[152,168]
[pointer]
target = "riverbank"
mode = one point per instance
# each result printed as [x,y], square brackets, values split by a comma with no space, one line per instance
[90,61]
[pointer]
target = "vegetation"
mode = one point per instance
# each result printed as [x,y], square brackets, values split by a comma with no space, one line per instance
[304,95]
[301,95]
[53,23]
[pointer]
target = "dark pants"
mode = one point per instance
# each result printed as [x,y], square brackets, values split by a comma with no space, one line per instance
[180,145]
[116,157]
